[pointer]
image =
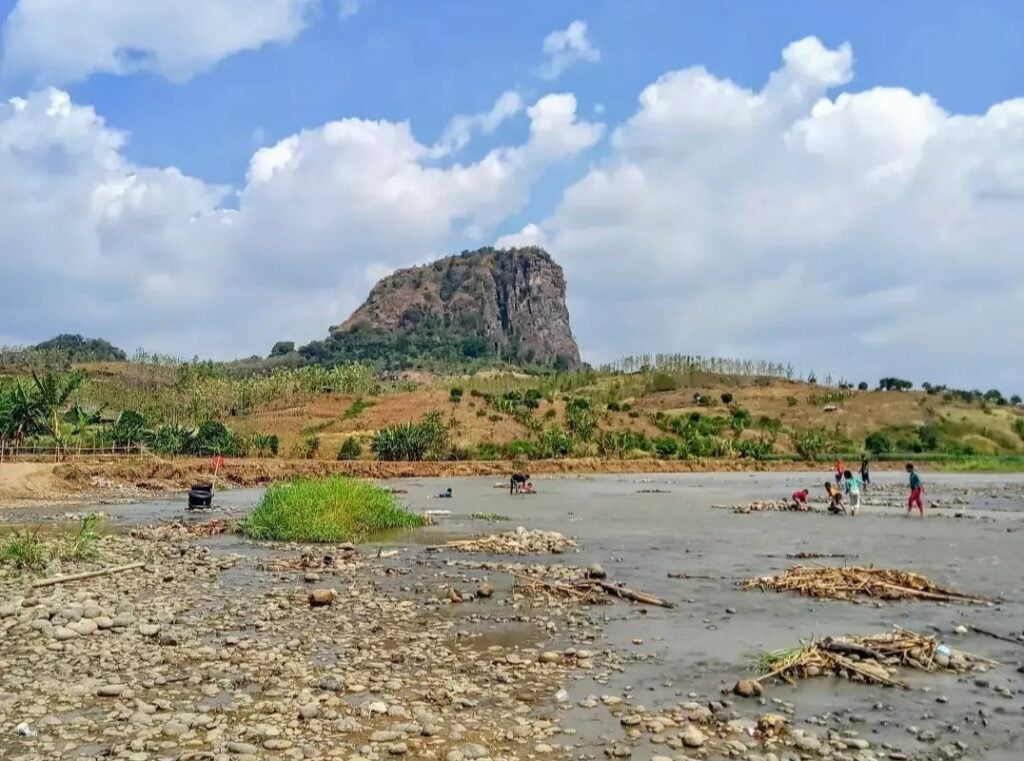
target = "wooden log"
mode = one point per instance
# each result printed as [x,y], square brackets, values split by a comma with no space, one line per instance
[994,635]
[86,574]
[846,648]
[633,595]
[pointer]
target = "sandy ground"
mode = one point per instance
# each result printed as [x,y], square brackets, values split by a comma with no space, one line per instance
[29,481]
[695,651]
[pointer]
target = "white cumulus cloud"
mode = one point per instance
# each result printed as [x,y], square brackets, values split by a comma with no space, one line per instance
[565,47]
[461,128]
[58,41]
[150,256]
[863,232]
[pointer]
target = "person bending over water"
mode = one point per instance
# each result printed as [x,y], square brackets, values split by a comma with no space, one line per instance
[518,482]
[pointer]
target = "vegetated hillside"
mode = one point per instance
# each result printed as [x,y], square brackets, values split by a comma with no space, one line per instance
[679,411]
[504,304]
[60,351]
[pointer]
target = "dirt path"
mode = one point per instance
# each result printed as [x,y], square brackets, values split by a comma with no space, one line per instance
[21,481]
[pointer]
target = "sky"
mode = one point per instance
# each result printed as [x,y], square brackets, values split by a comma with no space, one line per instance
[836,186]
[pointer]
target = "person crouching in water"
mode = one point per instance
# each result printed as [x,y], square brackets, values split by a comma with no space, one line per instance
[853,485]
[835,498]
[800,500]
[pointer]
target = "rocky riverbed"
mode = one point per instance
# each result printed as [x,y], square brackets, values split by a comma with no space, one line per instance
[212,650]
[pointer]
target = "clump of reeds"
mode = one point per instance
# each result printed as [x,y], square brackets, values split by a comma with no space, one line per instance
[23,550]
[335,509]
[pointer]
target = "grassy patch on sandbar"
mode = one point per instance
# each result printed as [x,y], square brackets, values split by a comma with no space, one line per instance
[335,509]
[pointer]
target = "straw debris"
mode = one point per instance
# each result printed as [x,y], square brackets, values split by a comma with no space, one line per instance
[872,659]
[855,582]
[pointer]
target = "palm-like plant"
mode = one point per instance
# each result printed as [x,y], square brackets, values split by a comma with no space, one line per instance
[52,394]
[18,413]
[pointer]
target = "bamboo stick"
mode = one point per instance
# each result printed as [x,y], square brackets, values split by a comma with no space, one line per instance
[86,574]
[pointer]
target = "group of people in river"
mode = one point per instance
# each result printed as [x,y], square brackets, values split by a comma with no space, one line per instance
[844,495]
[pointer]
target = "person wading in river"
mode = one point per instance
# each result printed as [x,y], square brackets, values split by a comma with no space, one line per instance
[916,490]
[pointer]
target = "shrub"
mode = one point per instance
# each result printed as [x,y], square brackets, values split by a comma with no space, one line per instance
[211,438]
[663,381]
[410,442]
[1018,427]
[130,428]
[862,386]
[519,448]
[791,401]
[554,442]
[809,444]
[307,448]
[755,449]
[580,419]
[170,439]
[455,395]
[614,407]
[666,447]
[23,551]
[334,509]
[487,451]
[550,414]
[264,446]
[726,398]
[350,449]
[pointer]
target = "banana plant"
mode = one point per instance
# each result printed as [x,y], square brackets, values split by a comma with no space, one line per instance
[52,394]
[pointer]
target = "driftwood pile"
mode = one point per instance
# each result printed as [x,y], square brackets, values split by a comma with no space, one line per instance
[855,581]
[590,589]
[518,542]
[871,658]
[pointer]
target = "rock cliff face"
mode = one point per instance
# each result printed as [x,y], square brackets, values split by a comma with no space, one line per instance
[508,303]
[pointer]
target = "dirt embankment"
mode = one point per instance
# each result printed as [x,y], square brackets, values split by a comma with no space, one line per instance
[22,483]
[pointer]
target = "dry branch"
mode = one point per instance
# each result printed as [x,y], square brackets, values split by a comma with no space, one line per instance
[86,574]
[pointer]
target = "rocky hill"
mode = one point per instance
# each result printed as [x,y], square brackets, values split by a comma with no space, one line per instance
[507,304]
